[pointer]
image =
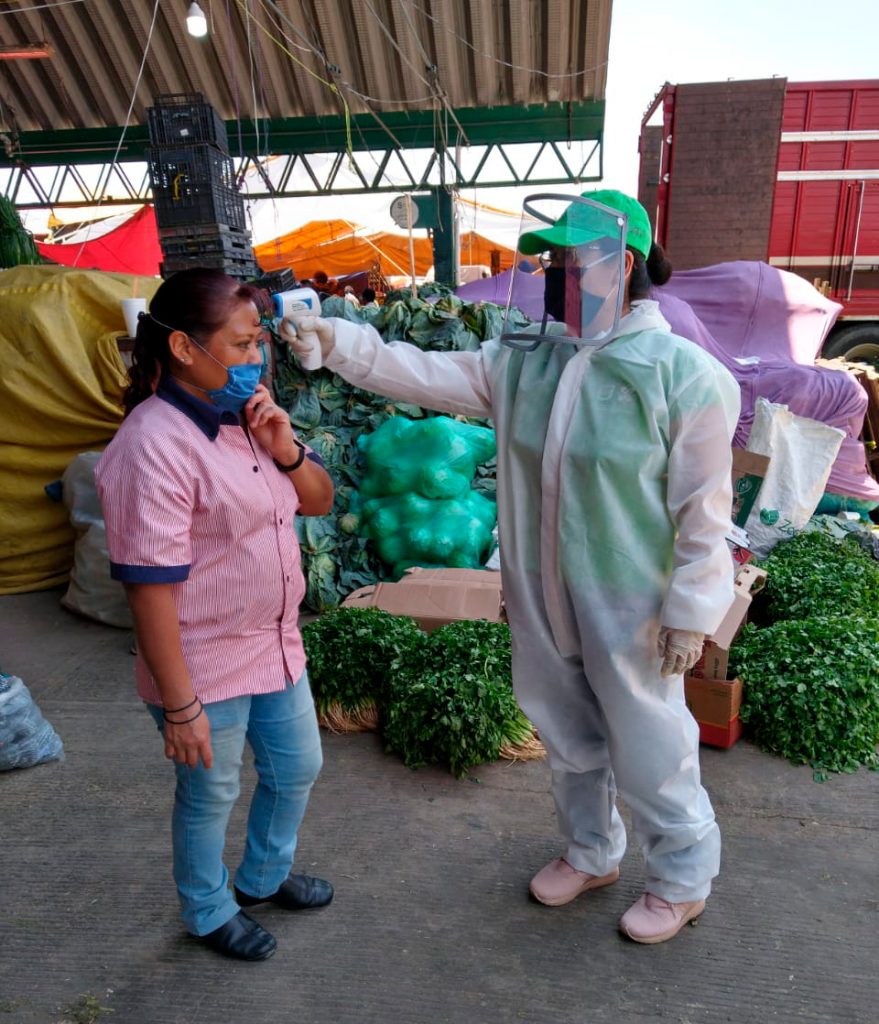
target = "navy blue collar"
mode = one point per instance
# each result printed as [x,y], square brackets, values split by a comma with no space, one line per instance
[205,415]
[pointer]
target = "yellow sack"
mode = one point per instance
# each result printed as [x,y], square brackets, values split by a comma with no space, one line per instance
[61,384]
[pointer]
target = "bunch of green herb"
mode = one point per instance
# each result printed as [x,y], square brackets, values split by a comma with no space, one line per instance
[811,690]
[452,704]
[813,574]
[352,655]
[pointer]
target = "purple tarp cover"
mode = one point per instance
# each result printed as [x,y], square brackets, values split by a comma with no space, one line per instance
[766,326]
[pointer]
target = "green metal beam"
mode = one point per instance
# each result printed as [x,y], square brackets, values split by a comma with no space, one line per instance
[558,122]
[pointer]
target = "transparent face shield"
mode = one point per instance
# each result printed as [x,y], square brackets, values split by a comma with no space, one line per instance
[577,248]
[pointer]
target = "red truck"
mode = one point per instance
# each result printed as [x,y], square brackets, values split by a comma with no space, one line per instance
[778,171]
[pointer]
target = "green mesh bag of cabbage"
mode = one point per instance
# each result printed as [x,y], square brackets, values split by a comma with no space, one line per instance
[416,502]
[435,457]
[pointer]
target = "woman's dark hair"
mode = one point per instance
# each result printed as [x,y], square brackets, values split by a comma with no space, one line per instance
[198,302]
[656,269]
[368,295]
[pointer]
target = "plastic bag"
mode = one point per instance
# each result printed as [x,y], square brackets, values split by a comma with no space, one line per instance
[412,530]
[435,457]
[92,591]
[801,453]
[26,738]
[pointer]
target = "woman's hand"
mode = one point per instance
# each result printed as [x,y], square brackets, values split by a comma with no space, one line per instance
[270,426]
[186,742]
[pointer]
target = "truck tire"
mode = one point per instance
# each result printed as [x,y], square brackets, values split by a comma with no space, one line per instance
[858,343]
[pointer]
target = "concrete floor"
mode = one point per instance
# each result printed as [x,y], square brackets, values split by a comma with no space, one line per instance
[431,922]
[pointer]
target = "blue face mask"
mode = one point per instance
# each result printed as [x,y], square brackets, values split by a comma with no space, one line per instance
[240,385]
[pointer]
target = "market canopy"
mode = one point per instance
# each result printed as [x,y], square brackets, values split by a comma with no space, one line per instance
[131,248]
[319,245]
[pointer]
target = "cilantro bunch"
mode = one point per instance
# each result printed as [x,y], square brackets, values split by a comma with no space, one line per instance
[811,690]
[352,655]
[453,703]
[813,574]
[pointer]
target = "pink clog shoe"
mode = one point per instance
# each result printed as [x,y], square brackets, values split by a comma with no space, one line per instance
[653,919]
[558,883]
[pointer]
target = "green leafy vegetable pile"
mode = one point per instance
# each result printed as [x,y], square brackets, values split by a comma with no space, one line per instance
[813,574]
[452,702]
[330,415]
[17,244]
[811,667]
[352,654]
[444,698]
[811,690]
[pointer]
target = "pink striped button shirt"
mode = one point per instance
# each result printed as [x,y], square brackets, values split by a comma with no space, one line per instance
[189,499]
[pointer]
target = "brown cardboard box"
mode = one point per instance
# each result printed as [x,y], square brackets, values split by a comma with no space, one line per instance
[435,597]
[749,580]
[713,701]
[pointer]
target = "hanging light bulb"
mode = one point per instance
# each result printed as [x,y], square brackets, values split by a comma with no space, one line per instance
[196,22]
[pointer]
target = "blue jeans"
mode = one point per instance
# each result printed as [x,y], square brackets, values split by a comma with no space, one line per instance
[282,731]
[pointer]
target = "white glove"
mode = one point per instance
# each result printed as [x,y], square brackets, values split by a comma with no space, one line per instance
[311,337]
[679,649]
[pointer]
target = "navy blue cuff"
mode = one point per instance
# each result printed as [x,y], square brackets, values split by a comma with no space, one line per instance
[315,458]
[148,573]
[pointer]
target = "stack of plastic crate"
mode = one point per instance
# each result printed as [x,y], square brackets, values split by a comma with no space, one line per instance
[199,212]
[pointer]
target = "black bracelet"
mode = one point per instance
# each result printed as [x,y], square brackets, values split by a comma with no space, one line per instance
[184,721]
[293,465]
[174,711]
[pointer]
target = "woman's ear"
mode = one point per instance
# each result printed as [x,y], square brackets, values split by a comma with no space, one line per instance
[180,347]
[629,265]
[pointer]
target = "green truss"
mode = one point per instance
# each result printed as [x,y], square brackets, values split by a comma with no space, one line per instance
[493,147]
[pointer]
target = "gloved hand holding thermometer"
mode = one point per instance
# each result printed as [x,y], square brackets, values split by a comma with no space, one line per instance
[311,338]
[295,309]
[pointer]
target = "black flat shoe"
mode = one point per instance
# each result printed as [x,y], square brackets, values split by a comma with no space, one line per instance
[297,892]
[241,938]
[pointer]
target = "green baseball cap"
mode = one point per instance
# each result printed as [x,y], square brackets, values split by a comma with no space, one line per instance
[580,224]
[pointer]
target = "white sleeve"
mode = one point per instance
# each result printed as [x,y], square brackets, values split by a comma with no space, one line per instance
[454,382]
[700,502]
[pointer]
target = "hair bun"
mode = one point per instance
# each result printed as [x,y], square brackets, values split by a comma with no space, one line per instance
[659,269]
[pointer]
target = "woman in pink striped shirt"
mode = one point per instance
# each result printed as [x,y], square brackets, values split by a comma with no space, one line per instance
[199,489]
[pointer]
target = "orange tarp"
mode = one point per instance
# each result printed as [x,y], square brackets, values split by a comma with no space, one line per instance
[333,246]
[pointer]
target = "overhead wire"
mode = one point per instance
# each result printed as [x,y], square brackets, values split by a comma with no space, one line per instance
[40,7]
[134,89]
[330,85]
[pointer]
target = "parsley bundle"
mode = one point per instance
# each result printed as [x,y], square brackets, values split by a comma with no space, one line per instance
[811,690]
[813,574]
[453,704]
[352,653]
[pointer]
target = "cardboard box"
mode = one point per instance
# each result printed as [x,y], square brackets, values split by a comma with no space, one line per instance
[713,701]
[435,597]
[748,473]
[749,581]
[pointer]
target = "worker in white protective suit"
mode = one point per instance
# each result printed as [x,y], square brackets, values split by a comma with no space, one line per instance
[614,498]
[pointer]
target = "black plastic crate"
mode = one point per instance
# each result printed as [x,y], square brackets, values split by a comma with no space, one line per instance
[283,280]
[245,269]
[184,118]
[179,169]
[212,241]
[200,205]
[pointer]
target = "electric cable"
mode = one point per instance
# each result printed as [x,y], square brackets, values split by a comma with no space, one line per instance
[498,60]
[41,7]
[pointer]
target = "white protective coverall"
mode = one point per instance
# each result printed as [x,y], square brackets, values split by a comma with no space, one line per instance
[614,498]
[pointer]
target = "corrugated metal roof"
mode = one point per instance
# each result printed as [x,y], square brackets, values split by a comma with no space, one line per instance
[292,58]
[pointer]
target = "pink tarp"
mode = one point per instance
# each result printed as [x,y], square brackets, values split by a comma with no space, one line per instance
[132,248]
[766,326]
